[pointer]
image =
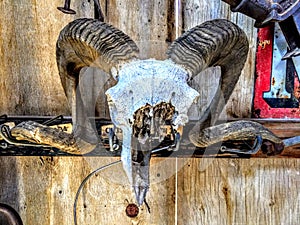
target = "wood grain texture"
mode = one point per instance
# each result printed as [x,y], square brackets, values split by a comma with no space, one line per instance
[238,191]
[29,77]
[28,49]
[240,103]
[146,22]
[209,191]
[42,189]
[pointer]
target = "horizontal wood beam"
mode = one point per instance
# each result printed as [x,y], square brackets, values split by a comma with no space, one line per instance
[282,128]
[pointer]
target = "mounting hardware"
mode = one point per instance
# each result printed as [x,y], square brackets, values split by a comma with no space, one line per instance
[113,140]
[286,13]
[66,8]
[177,138]
[98,12]
[172,147]
[56,118]
[253,150]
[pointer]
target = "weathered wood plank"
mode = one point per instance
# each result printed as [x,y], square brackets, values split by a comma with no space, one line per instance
[255,191]
[43,190]
[210,191]
[239,191]
[33,30]
[239,105]
[146,22]
[109,193]
[29,79]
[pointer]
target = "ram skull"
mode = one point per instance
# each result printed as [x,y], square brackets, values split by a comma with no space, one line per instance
[148,92]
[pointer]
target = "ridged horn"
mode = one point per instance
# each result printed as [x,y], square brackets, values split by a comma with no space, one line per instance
[89,42]
[214,43]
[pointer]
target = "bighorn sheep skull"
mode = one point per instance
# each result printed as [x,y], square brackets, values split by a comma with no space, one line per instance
[149,92]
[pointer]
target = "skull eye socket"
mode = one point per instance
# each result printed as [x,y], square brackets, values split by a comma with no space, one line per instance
[72,70]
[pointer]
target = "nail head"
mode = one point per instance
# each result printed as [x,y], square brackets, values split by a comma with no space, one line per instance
[65,10]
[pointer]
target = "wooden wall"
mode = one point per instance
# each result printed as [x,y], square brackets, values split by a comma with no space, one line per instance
[183,191]
[29,81]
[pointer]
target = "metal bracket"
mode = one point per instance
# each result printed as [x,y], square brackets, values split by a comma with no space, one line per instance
[111,140]
[176,137]
[110,136]
[67,9]
[253,149]
[265,11]
[291,31]
[114,144]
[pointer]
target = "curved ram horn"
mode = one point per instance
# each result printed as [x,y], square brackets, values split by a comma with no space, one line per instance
[214,43]
[237,130]
[89,42]
[218,43]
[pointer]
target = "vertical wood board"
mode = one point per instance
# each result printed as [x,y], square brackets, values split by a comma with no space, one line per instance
[29,79]
[42,189]
[204,191]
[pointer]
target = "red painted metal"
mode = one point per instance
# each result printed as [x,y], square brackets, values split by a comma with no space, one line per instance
[263,80]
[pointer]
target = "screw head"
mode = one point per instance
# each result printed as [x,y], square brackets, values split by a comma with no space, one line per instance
[132,210]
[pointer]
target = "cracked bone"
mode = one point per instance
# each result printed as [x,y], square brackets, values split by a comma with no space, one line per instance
[141,83]
[147,86]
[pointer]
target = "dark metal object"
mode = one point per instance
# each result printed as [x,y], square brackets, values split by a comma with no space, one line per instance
[266,147]
[166,148]
[232,3]
[66,8]
[291,31]
[97,15]
[98,12]
[115,143]
[286,12]
[57,119]
[253,149]
[265,11]
[84,182]
[11,214]
[132,210]
[113,140]
[171,147]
